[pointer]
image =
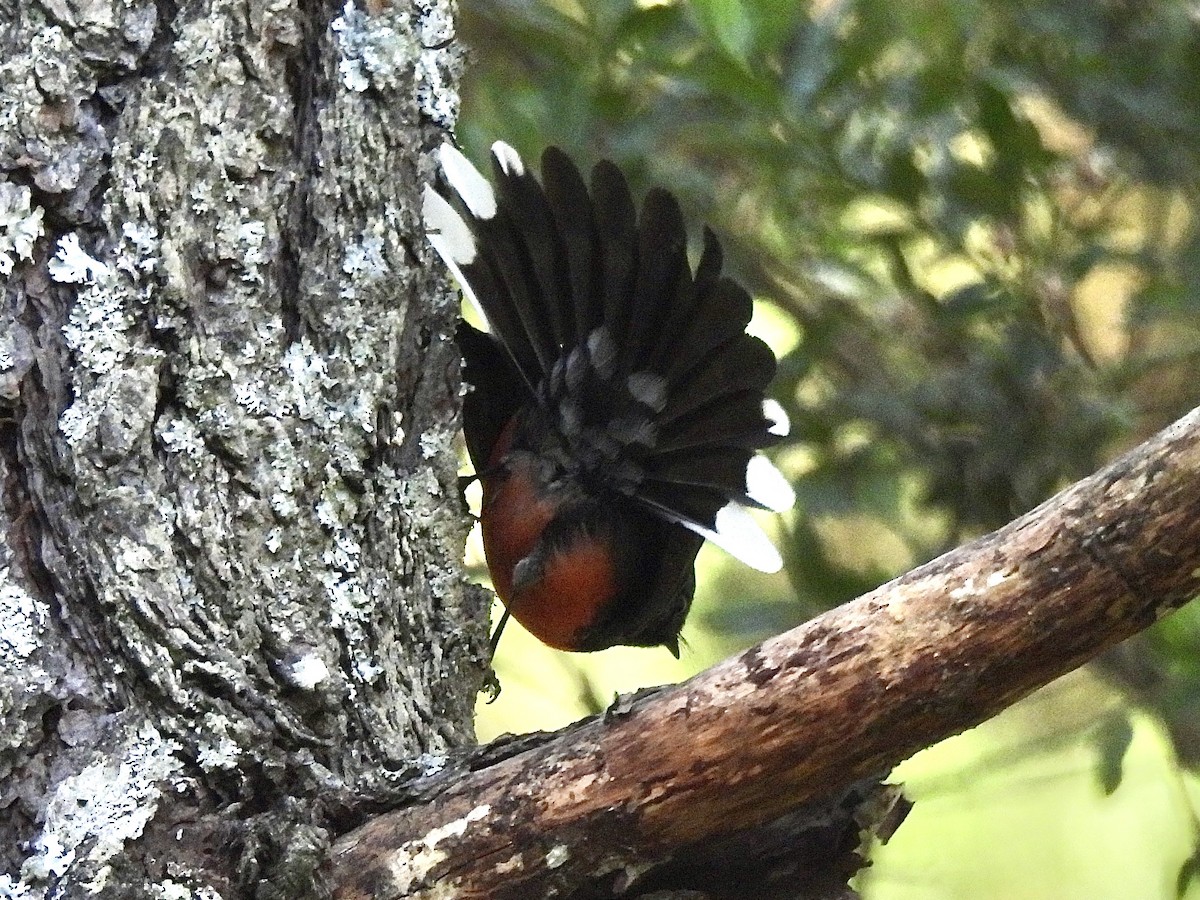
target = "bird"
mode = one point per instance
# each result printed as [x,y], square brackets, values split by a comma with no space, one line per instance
[615,406]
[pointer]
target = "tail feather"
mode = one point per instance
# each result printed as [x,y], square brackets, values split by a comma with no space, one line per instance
[682,503]
[731,529]
[575,218]
[543,284]
[711,260]
[465,248]
[616,220]
[664,279]
[722,469]
[741,366]
[735,421]
[738,475]
[506,253]
[720,317]
[691,299]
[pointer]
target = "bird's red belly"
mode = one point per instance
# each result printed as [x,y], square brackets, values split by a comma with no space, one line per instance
[575,583]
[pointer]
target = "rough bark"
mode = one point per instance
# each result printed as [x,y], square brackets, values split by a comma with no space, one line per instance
[229,520]
[804,716]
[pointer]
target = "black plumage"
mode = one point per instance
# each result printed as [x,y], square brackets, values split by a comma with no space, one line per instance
[631,376]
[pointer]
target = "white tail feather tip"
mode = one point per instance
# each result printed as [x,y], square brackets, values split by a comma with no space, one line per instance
[765,484]
[509,159]
[774,413]
[467,182]
[448,232]
[737,533]
[452,239]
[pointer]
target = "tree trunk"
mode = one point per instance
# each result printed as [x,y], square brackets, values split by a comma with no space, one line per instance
[229,527]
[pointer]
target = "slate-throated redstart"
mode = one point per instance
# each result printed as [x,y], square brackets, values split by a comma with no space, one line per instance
[616,405]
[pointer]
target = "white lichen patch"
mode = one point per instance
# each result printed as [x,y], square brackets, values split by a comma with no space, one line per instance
[218,750]
[132,557]
[116,382]
[431,763]
[338,506]
[91,816]
[14,890]
[250,239]
[142,248]
[306,672]
[375,50]
[98,328]
[348,602]
[343,553]
[180,435]
[365,670]
[283,497]
[20,225]
[365,261]
[119,403]
[140,171]
[255,397]
[22,618]
[170,889]
[557,855]
[437,94]
[361,410]
[58,70]
[412,862]
[435,22]
[8,353]
[75,423]
[72,264]
[308,379]
[435,442]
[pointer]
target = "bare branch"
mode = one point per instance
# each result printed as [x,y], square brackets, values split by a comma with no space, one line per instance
[806,714]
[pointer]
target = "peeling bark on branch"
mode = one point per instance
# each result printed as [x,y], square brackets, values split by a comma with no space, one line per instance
[807,714]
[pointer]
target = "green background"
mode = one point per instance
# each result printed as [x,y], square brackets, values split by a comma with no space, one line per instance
[972,229]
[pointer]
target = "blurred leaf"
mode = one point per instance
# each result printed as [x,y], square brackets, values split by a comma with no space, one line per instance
[977,192]
[1112,740]
[747,30]
[642,25]
[976,300]
[731,24]
[1014,140]
[1189,873]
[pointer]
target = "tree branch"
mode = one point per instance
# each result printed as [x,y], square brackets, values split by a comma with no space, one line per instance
[807,714]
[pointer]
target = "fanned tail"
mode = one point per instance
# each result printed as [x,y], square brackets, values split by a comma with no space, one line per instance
[640,365]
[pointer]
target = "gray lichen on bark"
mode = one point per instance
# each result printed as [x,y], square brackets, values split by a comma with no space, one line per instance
[230,526]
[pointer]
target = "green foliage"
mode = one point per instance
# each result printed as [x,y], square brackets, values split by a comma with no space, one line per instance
[982,219]
[925,189]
